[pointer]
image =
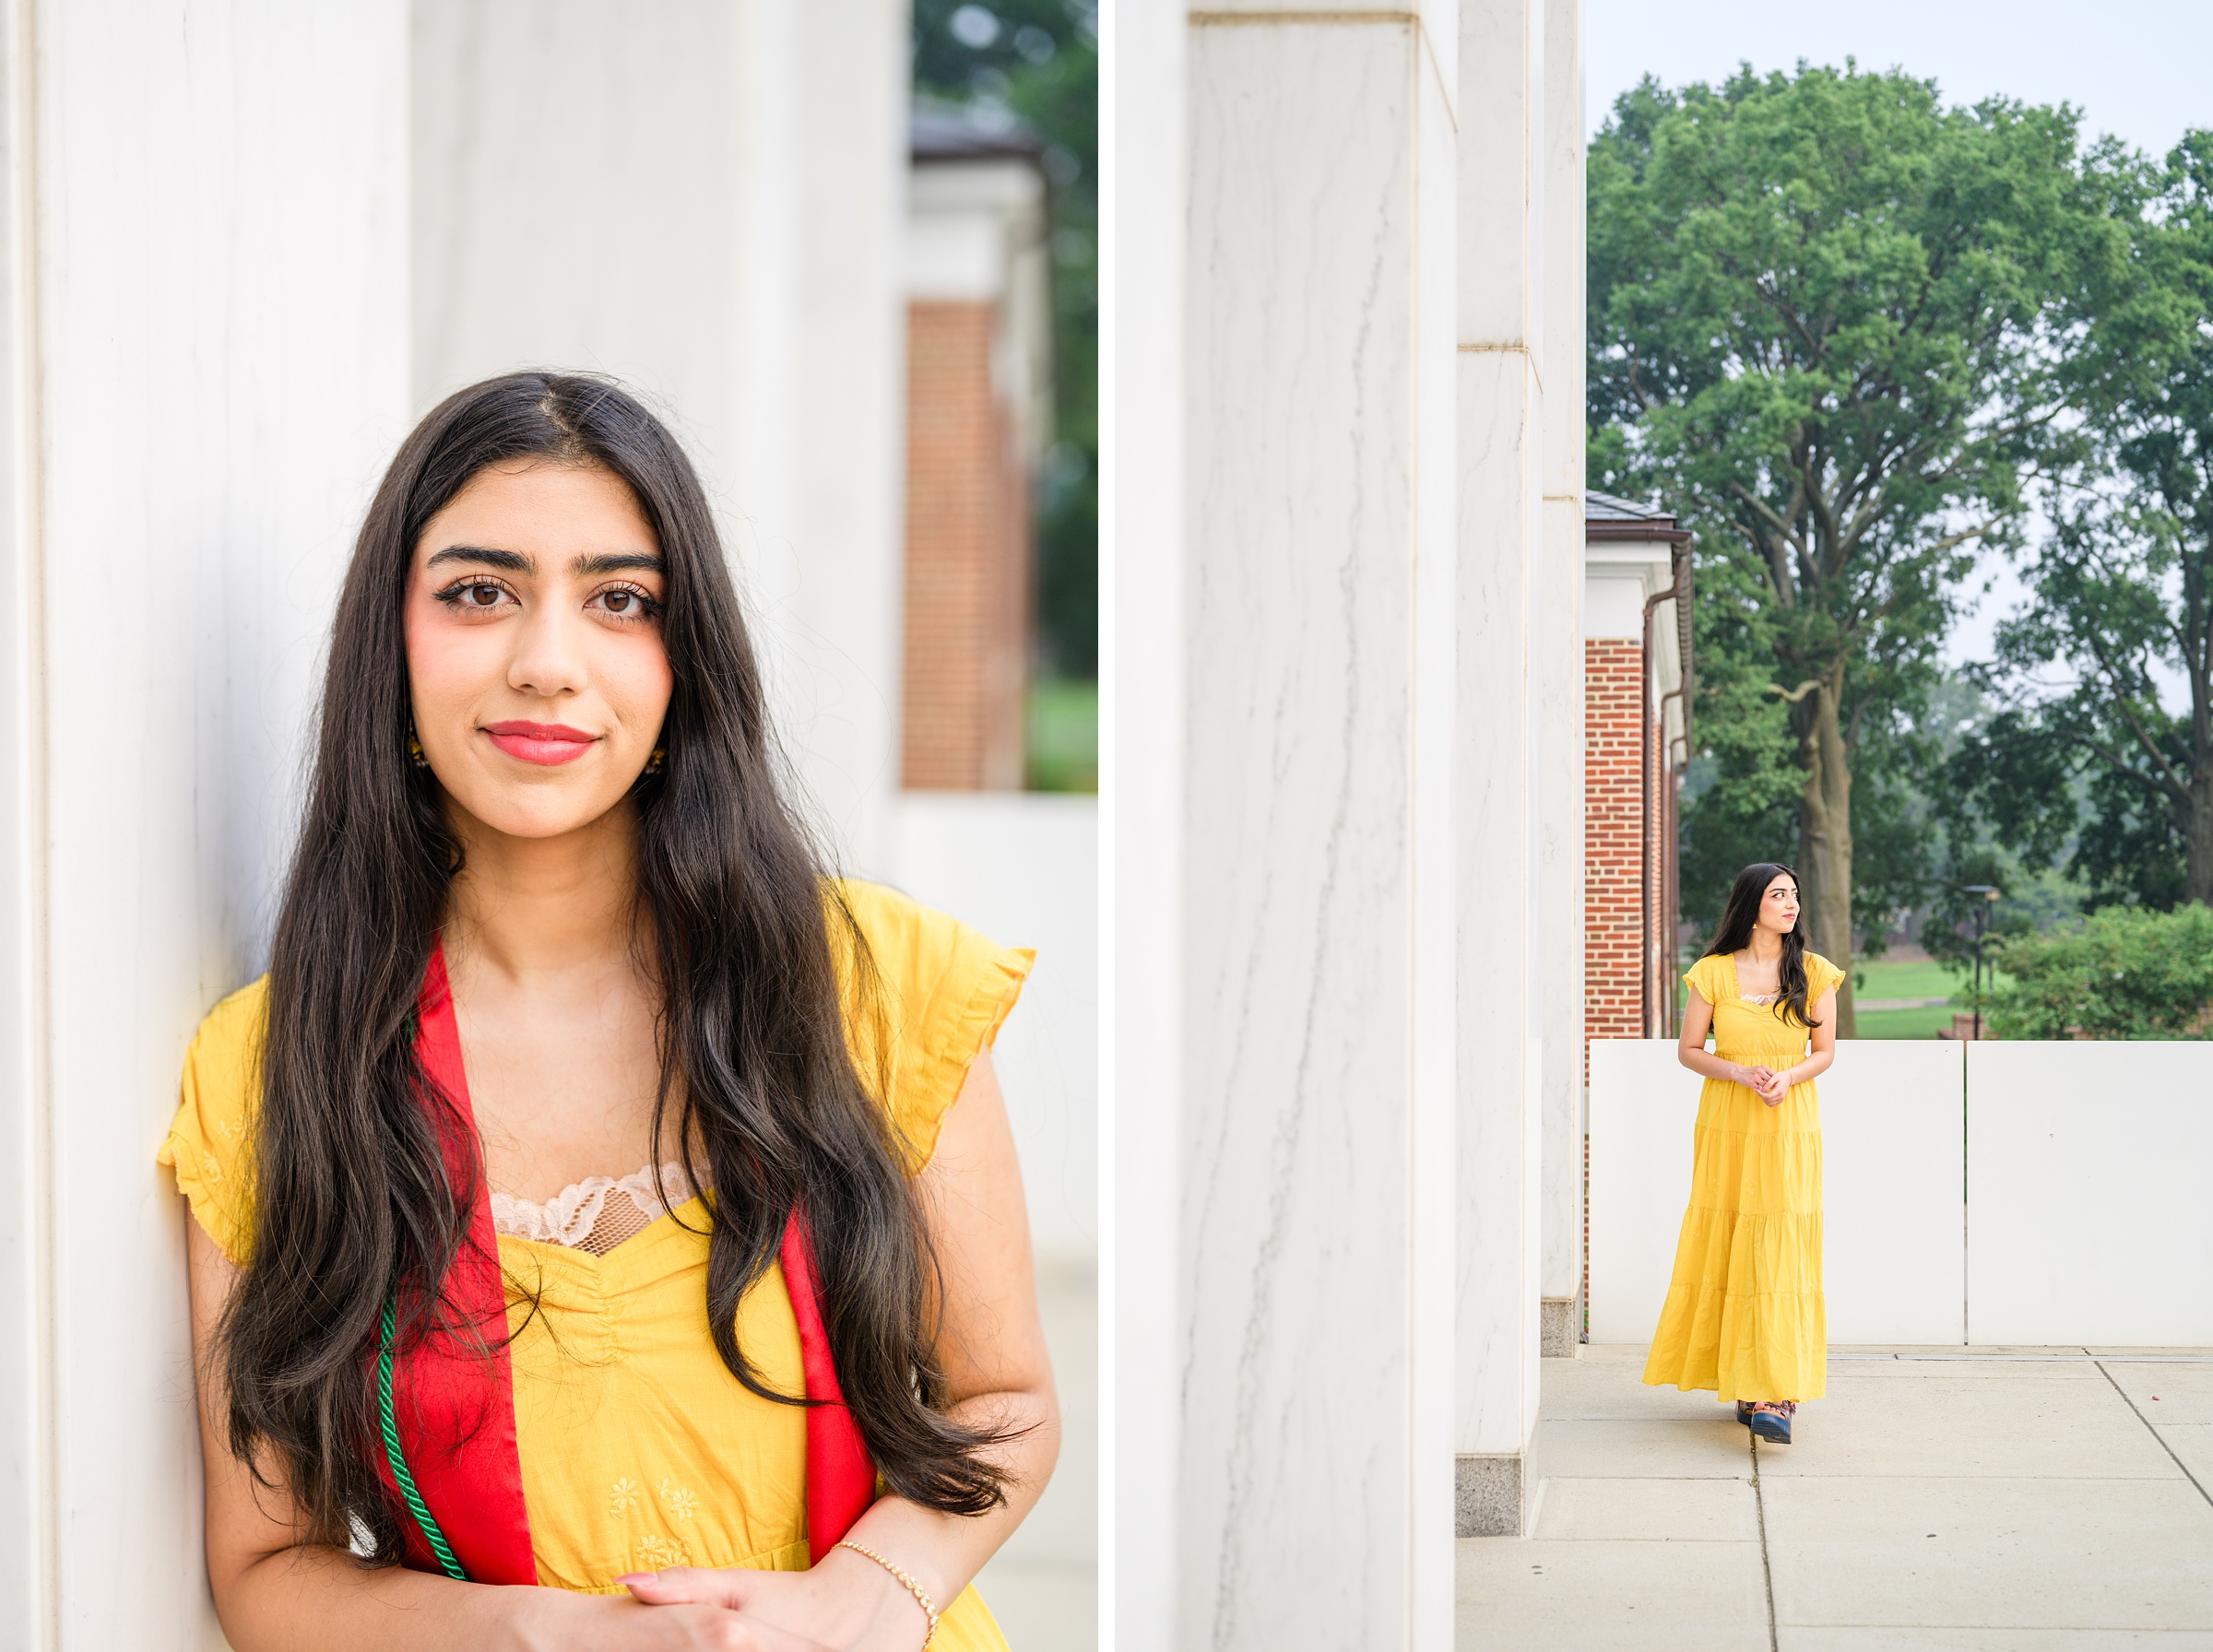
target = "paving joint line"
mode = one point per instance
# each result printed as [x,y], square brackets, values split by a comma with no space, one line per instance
[2155,1432]
[2026,1359]
[1767,1571]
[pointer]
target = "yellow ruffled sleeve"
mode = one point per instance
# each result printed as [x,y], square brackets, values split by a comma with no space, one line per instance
[942,993]
[207,1141]
[1706,976]
[1820,976]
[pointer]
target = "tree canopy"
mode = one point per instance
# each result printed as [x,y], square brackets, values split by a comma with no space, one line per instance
[2105,739]
[1830,327]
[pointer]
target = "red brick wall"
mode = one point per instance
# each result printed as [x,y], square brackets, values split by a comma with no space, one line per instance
[1617,846]
[967,559]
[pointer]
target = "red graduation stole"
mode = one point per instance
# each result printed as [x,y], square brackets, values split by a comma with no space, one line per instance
[452,1412]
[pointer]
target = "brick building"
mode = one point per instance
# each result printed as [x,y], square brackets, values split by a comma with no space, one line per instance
[978,412]
[1636,670]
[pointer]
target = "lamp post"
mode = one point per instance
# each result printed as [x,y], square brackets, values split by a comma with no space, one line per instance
[1989,894]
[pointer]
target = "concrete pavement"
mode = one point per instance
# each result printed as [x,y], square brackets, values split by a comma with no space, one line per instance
[1952,1500]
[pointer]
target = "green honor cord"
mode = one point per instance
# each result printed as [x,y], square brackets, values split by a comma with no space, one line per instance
[398,1458]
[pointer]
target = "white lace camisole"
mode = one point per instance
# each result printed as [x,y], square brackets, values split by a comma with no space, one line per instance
[598,1214]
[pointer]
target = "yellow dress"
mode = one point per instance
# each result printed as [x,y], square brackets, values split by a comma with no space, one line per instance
[1744,1314]
[638,1448]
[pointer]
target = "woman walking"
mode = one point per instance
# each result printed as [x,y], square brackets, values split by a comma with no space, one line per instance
[595,1198]
[1744,1313]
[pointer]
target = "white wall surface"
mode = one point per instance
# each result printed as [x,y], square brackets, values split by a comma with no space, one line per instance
[206,366]
[1614,592]
[1556,650]
[964,221]
[1143,726]
[1894,1206]
[1894,1253]
[1022,868]
[1975,1192]
[1503,944]
[1642,1108]
[707,202]
[2088,1169]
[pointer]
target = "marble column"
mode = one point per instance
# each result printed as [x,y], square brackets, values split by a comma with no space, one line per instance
[707,202]
[1557,666]
[1504,689]
[204,369]
[1144,183]
[1310,935]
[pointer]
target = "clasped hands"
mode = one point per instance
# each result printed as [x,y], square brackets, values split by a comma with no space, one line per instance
[841,1605]
[1767,1084]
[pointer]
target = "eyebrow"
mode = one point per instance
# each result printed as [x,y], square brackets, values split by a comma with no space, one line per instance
[615,561]
[516,561]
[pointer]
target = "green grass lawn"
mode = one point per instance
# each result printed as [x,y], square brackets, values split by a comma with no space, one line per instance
[1884,979]
[1063,732]
[1905,1023]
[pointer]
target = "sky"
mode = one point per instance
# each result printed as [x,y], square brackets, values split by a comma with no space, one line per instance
[2139,69]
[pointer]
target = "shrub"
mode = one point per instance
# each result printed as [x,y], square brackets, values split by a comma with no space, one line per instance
[2124,972]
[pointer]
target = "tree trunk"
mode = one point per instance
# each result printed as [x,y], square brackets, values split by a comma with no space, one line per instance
[1825,832]
[2197,835]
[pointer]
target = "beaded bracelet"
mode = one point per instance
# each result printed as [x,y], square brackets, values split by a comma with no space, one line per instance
[929,1607]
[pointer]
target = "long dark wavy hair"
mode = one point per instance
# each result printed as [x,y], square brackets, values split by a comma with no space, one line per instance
[352,1198]
[1740,916]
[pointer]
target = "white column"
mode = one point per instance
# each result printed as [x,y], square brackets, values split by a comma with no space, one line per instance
[1501,711]
[1557,666]
[1314,931]
[204,364]
[1143,579]
[708,203]
[821,95]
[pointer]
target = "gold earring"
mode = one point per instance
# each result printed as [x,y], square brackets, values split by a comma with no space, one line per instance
[415,754]
[660,756]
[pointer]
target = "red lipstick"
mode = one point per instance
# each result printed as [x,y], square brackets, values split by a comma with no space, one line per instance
[540,742]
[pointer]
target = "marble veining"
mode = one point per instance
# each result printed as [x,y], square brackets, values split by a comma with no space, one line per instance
[1305,266]
[219,377]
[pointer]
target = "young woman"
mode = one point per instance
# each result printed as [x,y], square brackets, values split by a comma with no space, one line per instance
[594,1196]
[1744,1313]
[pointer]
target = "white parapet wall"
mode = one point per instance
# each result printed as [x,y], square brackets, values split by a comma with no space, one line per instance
[2026,1193]
[1022,868]
[2088,1169]
[1895,1248]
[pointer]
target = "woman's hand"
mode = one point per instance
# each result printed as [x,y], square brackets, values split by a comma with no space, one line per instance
[1755,1079]
[612,1623]
[1771,1087]
[847,1603]
[620,1626]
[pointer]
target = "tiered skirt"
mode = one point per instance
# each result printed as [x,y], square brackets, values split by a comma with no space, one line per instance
[1745,1315]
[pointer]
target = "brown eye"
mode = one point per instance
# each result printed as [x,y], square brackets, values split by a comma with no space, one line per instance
[483,596]
[625,602]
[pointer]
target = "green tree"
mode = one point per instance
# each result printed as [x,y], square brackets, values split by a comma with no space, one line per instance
[1038,62]
[1826,326]
[1965,850]
[2123,972]
[2121,603]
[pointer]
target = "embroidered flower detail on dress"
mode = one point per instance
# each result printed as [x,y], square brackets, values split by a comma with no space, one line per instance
[658,1552]
[682,1503]
[623,1496]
